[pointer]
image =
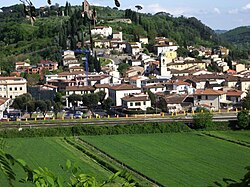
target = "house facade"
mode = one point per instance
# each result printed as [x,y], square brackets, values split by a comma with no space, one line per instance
[137,101]
[119,91]
[102,30]
[209,98]
[11,87]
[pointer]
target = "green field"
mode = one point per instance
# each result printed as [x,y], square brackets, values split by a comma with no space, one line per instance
[179,159]
[50,153]
[241,136]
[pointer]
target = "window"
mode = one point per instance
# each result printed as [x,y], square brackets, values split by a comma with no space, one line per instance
[15,88]
[144,102]
[206,97]
[138,104]
[199,96]
[10,88]
[21,88]
[131,104]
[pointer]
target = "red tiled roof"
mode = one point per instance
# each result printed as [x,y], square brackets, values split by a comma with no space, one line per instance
[154,86]
[3,100]
[174,98]
[136,98]
[11,78]
[20,63]
[177,82]
[236,93]
[209,92]
[101,85]
[124,87]
[80,88]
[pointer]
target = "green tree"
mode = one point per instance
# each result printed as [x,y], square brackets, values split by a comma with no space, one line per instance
[21,102]
[41,106]
[243,119]
[57,107]
[246,101]
[152,97]
[122,68]
[74,99]
[31,107]
[58,97]
[107,103]
[101,95]
[90,101]
[203,120]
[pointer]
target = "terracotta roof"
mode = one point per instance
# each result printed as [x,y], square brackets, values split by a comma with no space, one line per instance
[101,85]
[245,79]
[236,93]
[97,78]
[49,85]
[134,78]
[20,63]
[11,78]
[80,88]
[71,73]
[3,100]
[123,87]
[76,67]
[101,27]
[175,98]
[136,98]
[208,92]
[177,82]
[154,86]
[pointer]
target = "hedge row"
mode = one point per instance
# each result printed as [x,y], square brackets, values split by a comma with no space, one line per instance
[96,130]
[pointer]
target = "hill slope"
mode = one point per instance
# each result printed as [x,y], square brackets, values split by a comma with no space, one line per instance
[240,35]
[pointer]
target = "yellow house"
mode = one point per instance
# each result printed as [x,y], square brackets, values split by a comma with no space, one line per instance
[171,54]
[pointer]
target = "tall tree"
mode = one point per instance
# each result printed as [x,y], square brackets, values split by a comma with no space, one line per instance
[74,99]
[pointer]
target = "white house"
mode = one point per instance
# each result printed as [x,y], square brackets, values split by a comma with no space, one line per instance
[137,80]
[98,79]
[102,30]
[136,101]
[119,91]
[133,48]
[80,90]
[4,104]
[235,95]
[162,48]
[117,36]
[69,58]
[155,88]
[11,87]
[179,87]
[21,65]
[209,98]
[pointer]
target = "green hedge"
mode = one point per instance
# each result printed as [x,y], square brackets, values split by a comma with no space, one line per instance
[78,130]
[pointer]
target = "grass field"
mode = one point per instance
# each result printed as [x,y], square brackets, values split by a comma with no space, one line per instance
[179,159]
[50,153]
[241,136]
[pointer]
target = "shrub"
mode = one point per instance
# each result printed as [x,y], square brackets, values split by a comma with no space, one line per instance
[243,119]
[203,120]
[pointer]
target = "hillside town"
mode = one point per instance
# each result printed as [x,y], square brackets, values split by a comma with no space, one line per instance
[163,80]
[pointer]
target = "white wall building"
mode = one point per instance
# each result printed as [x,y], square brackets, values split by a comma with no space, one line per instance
[11,87]
[4,104]
[136,101]
[119,91]
[102,30]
